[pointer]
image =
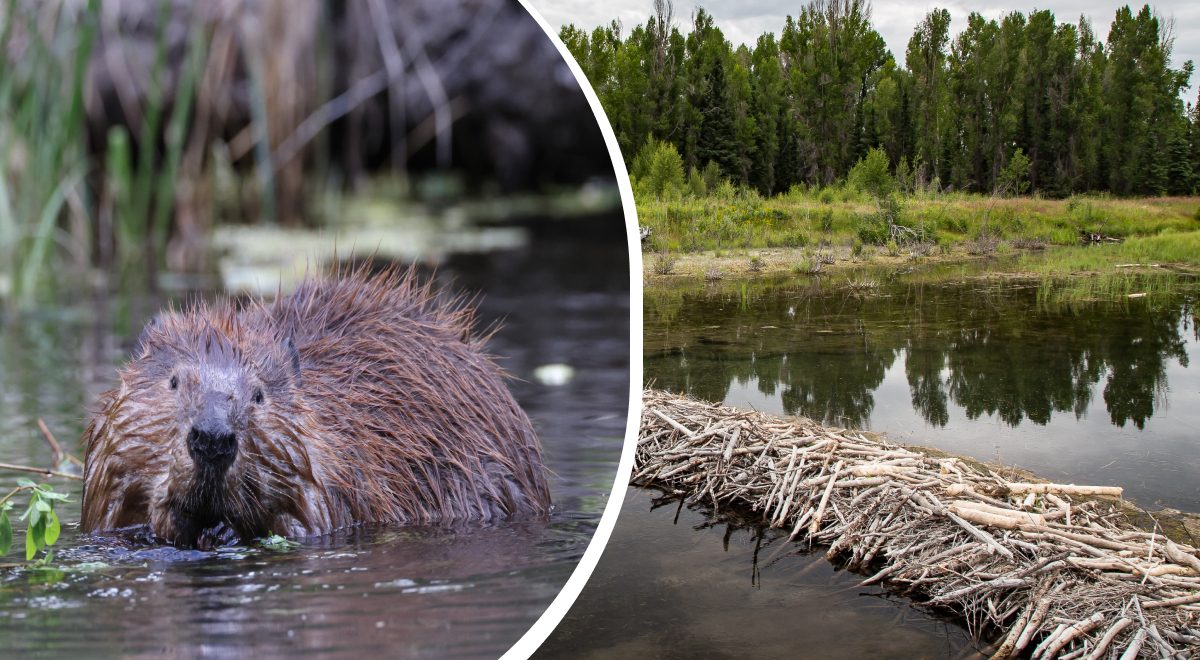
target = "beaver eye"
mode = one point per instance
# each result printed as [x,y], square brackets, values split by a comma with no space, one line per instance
[174,382]
[258,395]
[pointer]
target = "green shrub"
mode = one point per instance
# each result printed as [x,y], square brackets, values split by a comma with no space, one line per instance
[872,229]
[798,192]
[904,175]
[1014,176]
[952,223]
[826,219]
[856,248]
[664,263]
[870,175]
[888,223]
[712,175]
[695,183]
[658,170]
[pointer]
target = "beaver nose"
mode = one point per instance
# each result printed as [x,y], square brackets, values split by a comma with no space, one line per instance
[212,442]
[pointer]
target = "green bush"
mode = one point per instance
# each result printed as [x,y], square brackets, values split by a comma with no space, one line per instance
[953,223]
[904,176]
[826,219]
[798,192]
[870,175]
[712,175]
[695,183]
[725,190]
[873,229]
[1014,176]
[658,171]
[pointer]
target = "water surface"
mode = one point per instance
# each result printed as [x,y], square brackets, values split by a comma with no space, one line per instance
[1103,392]
[679,582]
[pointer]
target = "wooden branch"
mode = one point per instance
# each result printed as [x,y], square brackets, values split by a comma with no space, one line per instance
[42,471]
[1063,489]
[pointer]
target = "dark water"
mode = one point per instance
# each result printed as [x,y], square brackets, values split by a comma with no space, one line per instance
[680,583]
[420,592]
[1090,392]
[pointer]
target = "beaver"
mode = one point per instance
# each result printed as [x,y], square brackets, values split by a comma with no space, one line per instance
[360,398]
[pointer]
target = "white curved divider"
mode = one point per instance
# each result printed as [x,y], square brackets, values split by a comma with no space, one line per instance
[550,619]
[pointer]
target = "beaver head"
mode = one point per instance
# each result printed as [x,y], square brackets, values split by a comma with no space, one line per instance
[201,440]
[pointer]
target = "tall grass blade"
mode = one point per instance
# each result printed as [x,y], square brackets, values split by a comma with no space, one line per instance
[44,231]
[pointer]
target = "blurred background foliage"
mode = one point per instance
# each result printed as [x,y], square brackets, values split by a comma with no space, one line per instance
[143,141]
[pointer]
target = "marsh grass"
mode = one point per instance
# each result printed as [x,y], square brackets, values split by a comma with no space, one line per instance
[51,227]
[48,221]
[1070,292]
[42,159]
[846,217]
[1179,248]
[143,194]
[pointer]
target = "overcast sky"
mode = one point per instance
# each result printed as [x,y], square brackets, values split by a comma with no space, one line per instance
[743,20]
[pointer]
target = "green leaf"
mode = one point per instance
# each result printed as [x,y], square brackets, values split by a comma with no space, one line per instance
[30,545]
[6,535]
[34,513]
[52,529]
[277,542]
[42,505]
[25,483]
[38,532]
[58,497]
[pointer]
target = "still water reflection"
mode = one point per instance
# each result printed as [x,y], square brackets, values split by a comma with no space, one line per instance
[678,582]
[1096,392]
[467,591]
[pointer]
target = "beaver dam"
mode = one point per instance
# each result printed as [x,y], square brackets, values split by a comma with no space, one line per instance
[1050,570]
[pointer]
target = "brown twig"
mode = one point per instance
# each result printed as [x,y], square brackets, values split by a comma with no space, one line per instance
[59,454]
[43,471]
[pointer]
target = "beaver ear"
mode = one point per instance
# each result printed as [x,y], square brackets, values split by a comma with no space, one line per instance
[143,341]
[294,353]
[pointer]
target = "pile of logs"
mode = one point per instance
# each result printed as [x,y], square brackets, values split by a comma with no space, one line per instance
[1089,238]
[1055,568]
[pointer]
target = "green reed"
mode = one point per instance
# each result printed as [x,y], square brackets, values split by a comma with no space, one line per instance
[48,221]
[42,156]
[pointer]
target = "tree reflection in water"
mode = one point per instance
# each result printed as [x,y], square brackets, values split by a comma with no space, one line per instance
[998,354]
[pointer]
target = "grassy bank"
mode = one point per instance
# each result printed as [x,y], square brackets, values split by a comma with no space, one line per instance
[811,231]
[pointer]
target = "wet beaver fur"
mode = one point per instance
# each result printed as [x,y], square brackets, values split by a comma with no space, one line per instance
[358,398]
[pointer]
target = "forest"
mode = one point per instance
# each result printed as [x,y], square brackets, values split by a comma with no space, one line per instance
[1019,104]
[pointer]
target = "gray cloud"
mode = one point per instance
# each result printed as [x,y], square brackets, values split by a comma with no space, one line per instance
[743,21]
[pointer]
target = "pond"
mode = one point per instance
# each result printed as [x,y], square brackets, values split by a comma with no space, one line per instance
[1008,371]
[1020,372]
[466,591]
[682,583]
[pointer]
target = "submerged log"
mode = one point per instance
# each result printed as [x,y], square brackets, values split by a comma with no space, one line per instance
[1049,569]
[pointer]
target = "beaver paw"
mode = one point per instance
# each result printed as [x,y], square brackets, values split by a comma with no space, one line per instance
[217,536]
